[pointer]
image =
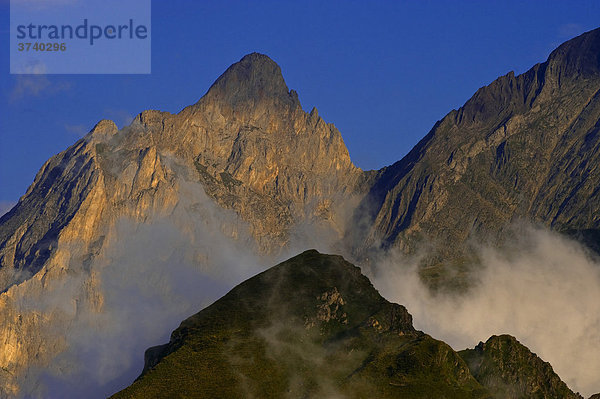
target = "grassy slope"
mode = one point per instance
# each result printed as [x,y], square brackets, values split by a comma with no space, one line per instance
[287,333]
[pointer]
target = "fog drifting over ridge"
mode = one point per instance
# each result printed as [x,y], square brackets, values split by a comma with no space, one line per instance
[540,287]
[152,277]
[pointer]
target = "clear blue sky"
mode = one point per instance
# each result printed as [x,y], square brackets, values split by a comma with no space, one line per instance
[383,73]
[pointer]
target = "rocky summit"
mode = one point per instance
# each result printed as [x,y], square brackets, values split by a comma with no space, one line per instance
[247,145]
[524,147]
[509,370]
[247,141]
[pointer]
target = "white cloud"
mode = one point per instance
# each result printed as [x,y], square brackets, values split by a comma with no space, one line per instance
[151,277]
[33,82]
[542,288]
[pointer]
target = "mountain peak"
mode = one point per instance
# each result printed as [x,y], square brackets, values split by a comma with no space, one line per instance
[309,327]
[105,126]
[254,78]
[509,369]
[579,56]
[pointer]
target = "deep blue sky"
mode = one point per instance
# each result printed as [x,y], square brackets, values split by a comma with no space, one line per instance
[384,73]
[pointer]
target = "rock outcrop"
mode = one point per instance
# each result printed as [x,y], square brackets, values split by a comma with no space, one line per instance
[511,371]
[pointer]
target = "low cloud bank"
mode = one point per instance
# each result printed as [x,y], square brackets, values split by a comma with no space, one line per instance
[135,293]
[540,287]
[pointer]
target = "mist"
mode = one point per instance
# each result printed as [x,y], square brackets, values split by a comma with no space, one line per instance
[146,280]
[540,287]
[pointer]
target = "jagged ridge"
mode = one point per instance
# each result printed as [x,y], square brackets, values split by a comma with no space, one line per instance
[524,147]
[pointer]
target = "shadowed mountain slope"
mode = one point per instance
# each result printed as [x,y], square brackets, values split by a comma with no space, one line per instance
[524,147]
[314,326]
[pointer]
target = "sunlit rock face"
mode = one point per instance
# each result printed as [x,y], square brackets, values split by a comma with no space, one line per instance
[247,141]
[247,144]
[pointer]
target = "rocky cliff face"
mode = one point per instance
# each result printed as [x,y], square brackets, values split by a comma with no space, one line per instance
[247,141]
[257,152]
[524,147]
[247,144]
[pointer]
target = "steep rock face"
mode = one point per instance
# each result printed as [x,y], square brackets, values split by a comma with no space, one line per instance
[63,191]
[312,326]
[510,371]
[247,140]
[247,144]
[258,152]
[524,147]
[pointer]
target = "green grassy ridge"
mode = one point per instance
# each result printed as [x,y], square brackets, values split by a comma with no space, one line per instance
[311,327]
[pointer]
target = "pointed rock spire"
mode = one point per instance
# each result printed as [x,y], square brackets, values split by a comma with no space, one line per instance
[256,77]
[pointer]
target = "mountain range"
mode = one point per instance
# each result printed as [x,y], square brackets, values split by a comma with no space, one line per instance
[280,179]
